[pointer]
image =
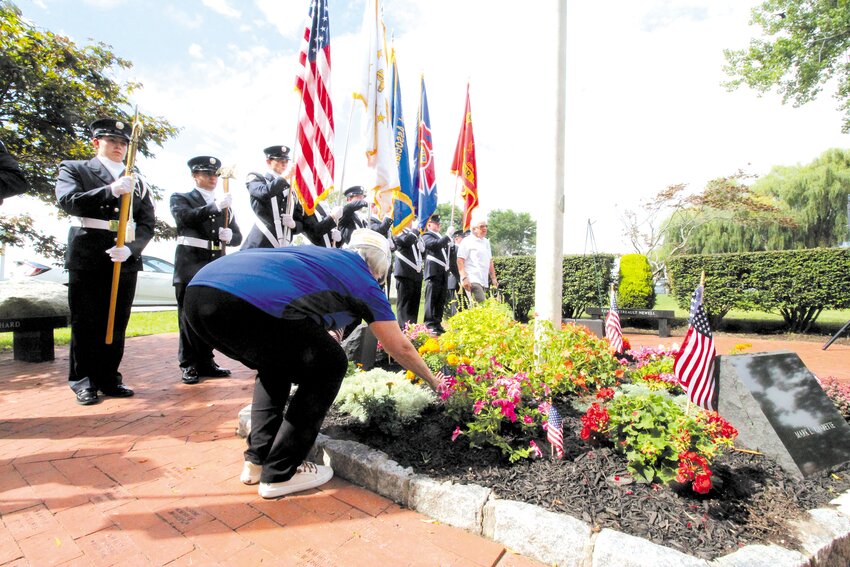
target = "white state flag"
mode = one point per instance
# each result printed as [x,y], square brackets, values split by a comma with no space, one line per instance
[374,94]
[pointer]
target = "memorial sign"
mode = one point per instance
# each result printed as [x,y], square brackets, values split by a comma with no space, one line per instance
[779,409]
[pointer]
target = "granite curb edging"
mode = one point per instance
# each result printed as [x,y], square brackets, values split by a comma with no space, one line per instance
[560,539]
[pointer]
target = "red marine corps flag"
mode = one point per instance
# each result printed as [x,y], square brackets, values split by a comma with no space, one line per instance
[314,157]
[463,165]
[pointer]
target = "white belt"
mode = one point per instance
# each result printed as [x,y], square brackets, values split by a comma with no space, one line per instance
[416,266]
[198,243]
[430,258]
[100,224]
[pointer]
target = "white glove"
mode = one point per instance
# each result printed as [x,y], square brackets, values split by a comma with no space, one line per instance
[451,231]
[336,213]
[287,220]
[225,235]
[224,202]
[420,245]
[336,235]
[121,254]
[122,185]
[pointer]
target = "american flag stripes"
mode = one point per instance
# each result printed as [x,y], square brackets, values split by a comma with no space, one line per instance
[314,158]
[555,432]
[612,326]
[694,364]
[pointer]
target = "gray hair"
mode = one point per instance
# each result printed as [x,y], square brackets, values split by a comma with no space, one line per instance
[376,259]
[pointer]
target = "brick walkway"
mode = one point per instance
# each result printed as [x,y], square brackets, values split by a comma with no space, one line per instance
[153,480]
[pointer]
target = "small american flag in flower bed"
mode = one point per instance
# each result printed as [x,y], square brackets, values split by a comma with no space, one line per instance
[555,432]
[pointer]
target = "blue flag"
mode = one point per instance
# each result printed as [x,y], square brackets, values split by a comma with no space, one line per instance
[424,173]
[404,208]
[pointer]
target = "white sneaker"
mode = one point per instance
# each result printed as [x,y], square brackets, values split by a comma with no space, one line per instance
[308,475]
[250,473]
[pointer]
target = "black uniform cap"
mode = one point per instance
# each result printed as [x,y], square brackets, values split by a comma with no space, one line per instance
[277,152]
[110,127]
[356,190]
[434,218]
[204,163]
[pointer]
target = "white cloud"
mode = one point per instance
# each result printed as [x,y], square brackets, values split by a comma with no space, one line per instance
[183,18]
[196,51]
[105,3]
[223,8]
[287,17]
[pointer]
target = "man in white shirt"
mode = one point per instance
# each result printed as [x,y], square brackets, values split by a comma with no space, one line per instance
[475,263]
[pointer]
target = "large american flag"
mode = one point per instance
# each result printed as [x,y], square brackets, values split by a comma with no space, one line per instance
[612,326]
[555,432]
[694,363]
[314,158]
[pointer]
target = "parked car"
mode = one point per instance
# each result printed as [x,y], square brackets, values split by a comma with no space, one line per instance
[153,286]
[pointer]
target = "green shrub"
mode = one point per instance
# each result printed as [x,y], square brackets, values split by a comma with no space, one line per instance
[635,289]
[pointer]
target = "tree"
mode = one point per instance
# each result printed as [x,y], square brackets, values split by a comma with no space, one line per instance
[50,90]
[809,46]
[511,233]
[811,199]
[445,212]
[671,220]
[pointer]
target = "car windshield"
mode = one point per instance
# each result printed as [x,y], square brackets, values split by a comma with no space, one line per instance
[156,265]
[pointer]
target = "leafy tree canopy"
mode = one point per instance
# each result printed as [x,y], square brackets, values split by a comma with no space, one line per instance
[807,44]
[511,233]
[50,90]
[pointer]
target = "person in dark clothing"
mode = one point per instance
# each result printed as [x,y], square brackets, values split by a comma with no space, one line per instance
[270,193]
[275,311]
[12,180]
[91,191]
[436,273]
[321,227]
[205,225]
[352,216]
[407,271]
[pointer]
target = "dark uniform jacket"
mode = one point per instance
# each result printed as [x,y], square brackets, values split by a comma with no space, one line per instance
[436,254]
[265,189]
[454,271]
[318,227]
[12,181]
[408,257]
[197,219]
[82,190]
[351,221]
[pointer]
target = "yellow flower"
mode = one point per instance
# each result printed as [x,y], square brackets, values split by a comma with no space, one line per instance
[449,346]
[452,359]
[410,376]
[466,360]
[431,345]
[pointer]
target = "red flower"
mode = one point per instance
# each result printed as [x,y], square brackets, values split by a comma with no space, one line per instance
[702,484]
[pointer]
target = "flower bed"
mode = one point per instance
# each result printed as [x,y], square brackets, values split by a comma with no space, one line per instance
[635,457]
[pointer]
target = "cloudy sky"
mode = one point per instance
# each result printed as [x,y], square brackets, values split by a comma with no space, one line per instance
[645,108]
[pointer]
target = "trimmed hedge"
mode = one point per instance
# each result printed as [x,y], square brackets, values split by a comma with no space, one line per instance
[798,284]
[635,289]
[584,278]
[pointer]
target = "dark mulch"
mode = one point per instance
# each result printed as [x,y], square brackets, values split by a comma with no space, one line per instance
[752,501]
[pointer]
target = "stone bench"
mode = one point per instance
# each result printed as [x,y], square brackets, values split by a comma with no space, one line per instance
[662,316]
[32,337]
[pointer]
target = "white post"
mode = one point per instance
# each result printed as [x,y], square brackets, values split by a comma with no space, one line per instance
[550,226]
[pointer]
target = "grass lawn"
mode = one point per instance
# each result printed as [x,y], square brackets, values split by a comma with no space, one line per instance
[827,316]
[141,323]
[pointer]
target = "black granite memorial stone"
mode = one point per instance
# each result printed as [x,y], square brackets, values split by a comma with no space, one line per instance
[779,409]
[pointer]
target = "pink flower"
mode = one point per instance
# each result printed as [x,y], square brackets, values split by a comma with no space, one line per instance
[535,450]
[456,433]
[479,404]
[527,419]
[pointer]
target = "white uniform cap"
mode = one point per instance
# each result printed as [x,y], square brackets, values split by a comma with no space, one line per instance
[368,237]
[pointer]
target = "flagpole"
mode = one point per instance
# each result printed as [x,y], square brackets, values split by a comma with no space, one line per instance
[345,153]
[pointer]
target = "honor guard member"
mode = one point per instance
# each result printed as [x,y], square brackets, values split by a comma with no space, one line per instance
[352,217]
[456,298]
[91,192]
[436,272]
[12,181]
[407,270]
[321,227]
[269,195]
[205,224]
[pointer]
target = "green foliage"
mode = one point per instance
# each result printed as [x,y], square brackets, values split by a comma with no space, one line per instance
[516,282]
[371,396]
[585,280]
[798,284]
[511,233]
[804,49]
[660,440]
[51,90]
[635,290]
[811,200]
[445,212]
[502,374]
